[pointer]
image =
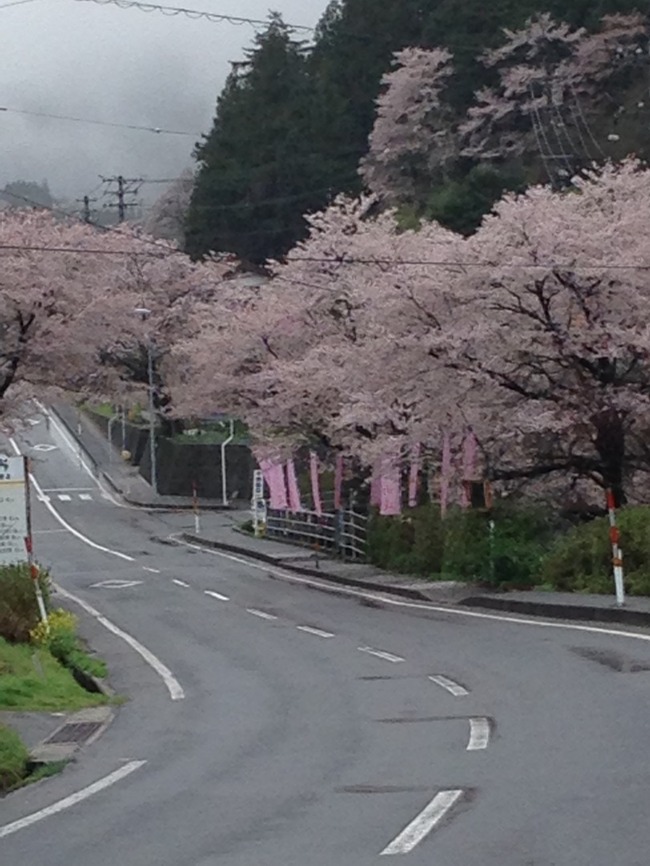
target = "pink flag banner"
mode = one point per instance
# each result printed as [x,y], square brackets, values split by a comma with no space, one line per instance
[390,503]
[445,473]
[274,478]
[292,487]
[338,482]
[315,483]
[470,448]
[414,474]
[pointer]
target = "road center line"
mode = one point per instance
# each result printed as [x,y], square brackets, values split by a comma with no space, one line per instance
[315,631]
[423,823]
[173,686]
[216,595]
[389,601]
[261,613]
[72,800]
[64,523]
[380,654]
[453,688]
[180,582]
[479,734]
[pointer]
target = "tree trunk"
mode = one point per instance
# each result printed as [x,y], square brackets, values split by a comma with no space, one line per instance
[609,442]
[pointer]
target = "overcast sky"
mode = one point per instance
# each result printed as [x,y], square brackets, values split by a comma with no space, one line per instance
[120,65]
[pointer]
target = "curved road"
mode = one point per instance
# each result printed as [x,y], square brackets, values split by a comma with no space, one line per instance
[316,729]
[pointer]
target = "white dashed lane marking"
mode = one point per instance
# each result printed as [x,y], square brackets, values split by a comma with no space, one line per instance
[216,595]
[453,688]
[317,632]
[380,654]
[64,497]
[262,614]
[180,582]
[424,823]
[479,734]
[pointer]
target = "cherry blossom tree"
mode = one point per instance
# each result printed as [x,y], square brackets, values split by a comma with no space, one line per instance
[555,94]
[553,330]
[166,218]
[413,129]
[68,295]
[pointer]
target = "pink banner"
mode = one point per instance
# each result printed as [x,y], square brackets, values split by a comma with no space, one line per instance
[338,482]
[390,488]
[445,473]
[315,484]
[274,478]
[414,475]
[292,487]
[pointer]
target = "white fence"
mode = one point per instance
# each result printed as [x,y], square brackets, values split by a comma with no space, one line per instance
[343,533]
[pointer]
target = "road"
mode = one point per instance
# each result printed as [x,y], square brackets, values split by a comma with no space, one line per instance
[315,729]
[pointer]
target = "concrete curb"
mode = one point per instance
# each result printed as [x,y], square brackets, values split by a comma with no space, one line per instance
[560,611]
[390,588]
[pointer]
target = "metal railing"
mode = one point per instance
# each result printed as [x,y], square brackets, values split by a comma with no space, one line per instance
[343,533]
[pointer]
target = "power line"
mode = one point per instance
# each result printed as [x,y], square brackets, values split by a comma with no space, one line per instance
[172,11]
[155,129]
[16,3]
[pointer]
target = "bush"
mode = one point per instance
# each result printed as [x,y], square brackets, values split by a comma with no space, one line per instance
[462,546]
[13,759]
[18,606]
[59,636]
[581,561]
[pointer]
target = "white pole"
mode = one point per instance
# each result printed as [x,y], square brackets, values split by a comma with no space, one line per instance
[152,421]
[617,553]
[224,476]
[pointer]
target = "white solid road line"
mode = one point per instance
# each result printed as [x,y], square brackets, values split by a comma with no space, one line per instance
[315,631]
[261,613]
[479,734]
[216,595]
[380,654]
[413,605]
[72,800]
[64,523]
[173,686]
[453,688]
[423,823]
[180,582]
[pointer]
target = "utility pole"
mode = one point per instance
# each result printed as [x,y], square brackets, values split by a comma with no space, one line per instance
[124,187]
[86,200]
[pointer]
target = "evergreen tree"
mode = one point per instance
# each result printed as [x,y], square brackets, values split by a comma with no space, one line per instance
[258,171]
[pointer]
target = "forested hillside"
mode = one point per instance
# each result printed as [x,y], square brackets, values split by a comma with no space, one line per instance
[293,121]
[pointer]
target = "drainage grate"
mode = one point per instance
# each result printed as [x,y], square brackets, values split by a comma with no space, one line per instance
[75,732]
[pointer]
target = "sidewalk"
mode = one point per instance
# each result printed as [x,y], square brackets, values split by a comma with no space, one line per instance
[222,532]
[106,462]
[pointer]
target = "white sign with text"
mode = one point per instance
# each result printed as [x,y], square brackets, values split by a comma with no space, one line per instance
[14,526]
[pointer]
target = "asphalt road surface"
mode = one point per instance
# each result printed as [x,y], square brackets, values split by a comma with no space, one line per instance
[271,724]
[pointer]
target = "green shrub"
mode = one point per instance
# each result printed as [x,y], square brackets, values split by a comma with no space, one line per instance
[59,636]
[13,758]
[18,606]
[462,546]
[581,561]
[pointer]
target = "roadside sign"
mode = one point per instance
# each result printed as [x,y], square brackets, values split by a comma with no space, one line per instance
[258,484]
[14,504]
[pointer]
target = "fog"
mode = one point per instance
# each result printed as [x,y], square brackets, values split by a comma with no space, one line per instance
[118,65]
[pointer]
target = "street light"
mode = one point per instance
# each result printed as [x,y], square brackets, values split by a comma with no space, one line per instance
[144,313]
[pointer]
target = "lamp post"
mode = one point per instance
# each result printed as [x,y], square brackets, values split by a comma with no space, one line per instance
[144,313]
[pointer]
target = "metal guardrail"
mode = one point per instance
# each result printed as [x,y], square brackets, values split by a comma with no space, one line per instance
[343,533]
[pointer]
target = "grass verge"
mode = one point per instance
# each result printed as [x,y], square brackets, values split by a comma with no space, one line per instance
[32,679]
[14,758]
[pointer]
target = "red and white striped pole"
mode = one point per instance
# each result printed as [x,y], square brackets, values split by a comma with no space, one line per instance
[617,553]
